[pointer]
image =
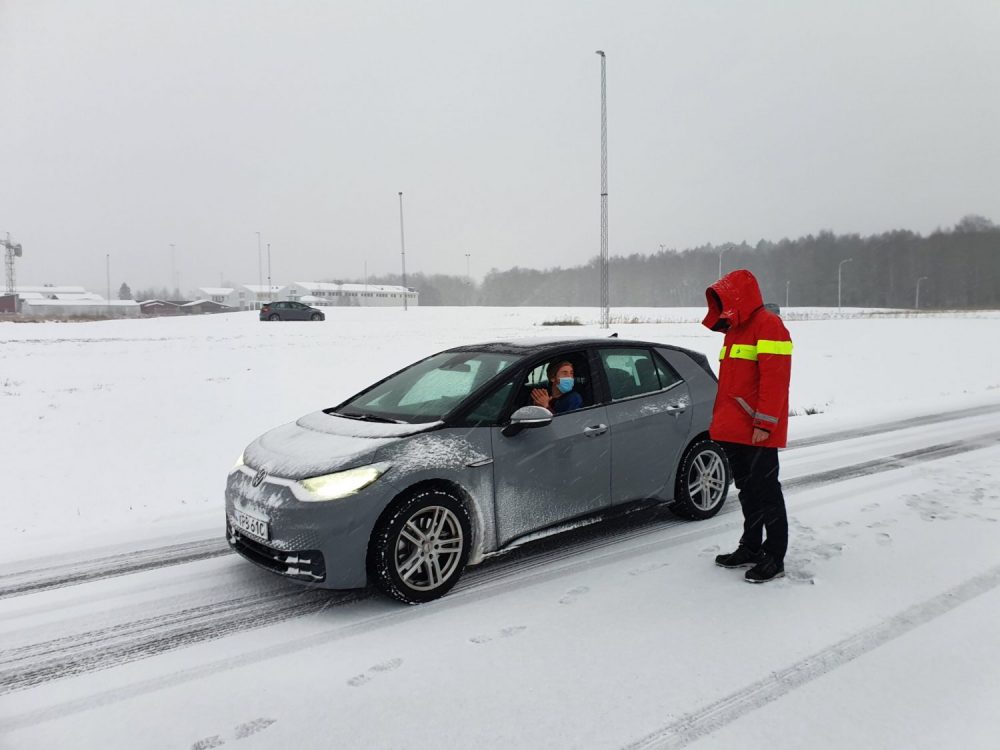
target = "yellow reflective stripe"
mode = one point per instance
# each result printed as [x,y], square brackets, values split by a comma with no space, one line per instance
[774,347]
[722,354]
[743,351]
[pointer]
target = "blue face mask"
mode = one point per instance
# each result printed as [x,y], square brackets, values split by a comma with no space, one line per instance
[566,385]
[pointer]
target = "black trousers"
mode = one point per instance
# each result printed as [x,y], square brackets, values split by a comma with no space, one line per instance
[755,471]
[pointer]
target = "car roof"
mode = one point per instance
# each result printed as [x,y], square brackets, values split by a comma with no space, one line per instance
[541,345]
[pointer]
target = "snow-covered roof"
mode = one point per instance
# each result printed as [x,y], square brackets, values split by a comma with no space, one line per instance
[80,302]
[215,291]
[30,295]
[310,298]
[70,297]
[325,286]
[51,289]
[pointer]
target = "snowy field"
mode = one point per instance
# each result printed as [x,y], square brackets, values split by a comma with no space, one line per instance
[119,435]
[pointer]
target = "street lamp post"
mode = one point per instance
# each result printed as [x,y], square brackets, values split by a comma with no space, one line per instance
[107,259]
[605,294]
[173,267]
[788,286]
[270,289]
[402,248]
[724,248]
[839,268]
[260,266]
[916,303]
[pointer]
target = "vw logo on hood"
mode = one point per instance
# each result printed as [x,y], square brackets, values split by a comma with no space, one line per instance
[259,477]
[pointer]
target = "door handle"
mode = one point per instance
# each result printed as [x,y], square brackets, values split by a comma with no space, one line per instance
[676,409]
[595,430]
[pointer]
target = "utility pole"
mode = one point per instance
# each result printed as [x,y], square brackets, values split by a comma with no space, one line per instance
[839,268]
[173,269]
[11,250]
[788,285]
[270,289]
[724,248]
[605,298]
[402,246]
[917,302]
[260,266]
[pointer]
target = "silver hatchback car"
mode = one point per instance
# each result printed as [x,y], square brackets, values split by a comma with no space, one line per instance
[449,461]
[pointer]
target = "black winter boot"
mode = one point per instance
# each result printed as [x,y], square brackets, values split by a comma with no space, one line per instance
[741,558]
[766,570]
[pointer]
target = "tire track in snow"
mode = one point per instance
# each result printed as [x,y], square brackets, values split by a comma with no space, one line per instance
[714,716]
[33,581]
[26,666]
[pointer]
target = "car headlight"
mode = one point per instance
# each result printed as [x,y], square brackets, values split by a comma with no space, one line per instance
[341,484]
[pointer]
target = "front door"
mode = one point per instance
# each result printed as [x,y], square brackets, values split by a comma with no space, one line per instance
[548,475]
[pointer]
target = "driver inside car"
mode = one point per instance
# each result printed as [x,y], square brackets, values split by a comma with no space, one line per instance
[560,396]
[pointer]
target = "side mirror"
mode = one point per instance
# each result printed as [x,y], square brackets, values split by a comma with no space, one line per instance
[527,416]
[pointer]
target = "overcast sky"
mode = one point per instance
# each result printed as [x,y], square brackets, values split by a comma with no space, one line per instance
[127,126]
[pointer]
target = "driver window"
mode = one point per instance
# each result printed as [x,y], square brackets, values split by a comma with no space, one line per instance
[581,394]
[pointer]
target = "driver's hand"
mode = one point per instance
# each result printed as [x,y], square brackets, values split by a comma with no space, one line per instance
[541,397]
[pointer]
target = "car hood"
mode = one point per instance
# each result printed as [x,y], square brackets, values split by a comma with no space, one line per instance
[321,443]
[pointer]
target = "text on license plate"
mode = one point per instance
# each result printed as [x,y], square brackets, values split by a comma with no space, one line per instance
[252,525]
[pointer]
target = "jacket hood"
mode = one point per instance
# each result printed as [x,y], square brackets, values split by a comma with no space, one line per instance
[733,299]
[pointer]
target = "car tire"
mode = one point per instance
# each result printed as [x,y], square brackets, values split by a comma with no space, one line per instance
[703,478]
[316,316]
[274,316]
[420,546]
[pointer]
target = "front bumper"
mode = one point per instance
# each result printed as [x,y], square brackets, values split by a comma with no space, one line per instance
[301,565]
[323,543]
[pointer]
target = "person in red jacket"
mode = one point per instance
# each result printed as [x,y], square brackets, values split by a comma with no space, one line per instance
[750,418]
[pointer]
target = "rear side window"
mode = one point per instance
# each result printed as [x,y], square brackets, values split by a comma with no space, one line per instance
[668,375]
[634,372]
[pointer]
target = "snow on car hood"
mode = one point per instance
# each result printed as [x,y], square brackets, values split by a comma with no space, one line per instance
[321,443]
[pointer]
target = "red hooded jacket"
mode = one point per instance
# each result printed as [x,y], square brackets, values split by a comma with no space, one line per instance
[755,364]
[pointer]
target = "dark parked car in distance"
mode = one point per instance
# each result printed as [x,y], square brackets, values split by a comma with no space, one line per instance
[290,311]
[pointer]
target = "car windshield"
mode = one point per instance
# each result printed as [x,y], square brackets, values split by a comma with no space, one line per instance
[428,390]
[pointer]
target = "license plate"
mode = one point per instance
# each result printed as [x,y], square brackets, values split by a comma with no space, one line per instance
[256,527]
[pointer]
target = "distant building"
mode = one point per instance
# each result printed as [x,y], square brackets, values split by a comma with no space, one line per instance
[321,293]
[253,296]
[220,294]
[82,308]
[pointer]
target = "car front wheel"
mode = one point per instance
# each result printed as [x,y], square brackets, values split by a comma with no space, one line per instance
[703,478]
[419,548]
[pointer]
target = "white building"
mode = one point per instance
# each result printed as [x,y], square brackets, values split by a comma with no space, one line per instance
[85,308]
[355,295]
[253,296]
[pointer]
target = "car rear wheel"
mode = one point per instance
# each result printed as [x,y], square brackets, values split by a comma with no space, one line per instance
[419,548]
[274,316]
[703,478]
[316,316]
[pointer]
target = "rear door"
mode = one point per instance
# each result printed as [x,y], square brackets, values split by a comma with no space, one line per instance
[649,414]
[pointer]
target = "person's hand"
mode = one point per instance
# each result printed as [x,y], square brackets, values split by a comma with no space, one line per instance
[759,435]
[541,397]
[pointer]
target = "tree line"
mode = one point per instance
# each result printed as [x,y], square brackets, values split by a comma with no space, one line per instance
[957,268]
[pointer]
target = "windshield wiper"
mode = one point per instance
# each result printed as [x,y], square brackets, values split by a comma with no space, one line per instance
[367,417]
